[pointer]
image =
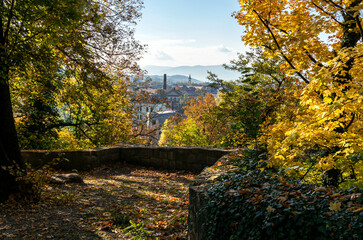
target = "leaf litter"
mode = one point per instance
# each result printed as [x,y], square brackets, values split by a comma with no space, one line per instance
[116,202]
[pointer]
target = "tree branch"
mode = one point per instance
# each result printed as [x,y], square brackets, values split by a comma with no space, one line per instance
[147,134]
[66,124]
[313,59]
[360,27]
[279,48]
[85,134]
[350,123]
[2,39]
[329,14]
[308,54]
[10,16]
[333,4]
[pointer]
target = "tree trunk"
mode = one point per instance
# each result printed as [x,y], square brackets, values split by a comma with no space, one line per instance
[351,36]
[9,147]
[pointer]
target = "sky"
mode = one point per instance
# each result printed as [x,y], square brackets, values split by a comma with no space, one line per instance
[189,32]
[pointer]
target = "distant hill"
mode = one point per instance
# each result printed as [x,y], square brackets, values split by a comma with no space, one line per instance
[173,78]
[198,72]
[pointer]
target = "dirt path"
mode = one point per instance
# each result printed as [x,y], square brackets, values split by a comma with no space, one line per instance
[156,203]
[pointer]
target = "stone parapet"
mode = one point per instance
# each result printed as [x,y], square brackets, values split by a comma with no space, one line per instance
[171,158]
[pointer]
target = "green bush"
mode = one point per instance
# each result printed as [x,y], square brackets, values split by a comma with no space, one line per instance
[260,205]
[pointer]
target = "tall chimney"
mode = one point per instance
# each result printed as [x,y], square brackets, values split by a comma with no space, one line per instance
[164,87]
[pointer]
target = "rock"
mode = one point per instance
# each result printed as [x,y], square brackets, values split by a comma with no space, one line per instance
[66,178]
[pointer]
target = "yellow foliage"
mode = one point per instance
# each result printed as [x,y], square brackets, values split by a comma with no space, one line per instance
[322,48]
[201,127]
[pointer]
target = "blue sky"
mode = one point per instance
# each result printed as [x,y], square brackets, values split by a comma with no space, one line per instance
[189,32]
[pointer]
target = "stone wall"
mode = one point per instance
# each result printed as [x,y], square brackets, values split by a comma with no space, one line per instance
[198,199]
[173,158]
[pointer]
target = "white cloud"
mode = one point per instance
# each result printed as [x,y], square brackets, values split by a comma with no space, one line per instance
[178,52]
[162,56]
[224,49]
[171,42]
[178,55]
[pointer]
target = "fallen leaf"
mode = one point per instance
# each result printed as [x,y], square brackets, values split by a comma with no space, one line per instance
[270,209]
[334,206]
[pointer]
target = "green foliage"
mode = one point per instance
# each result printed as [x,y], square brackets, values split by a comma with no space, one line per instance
[60,198]
[120,219]
[250,102]
[34,92]
[183,102]
[184,133]
[244,107]
[137,231]
[260,205]
[201,125]
[31,181]
[68,64]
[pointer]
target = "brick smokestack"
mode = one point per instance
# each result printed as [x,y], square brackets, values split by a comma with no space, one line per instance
[164,87]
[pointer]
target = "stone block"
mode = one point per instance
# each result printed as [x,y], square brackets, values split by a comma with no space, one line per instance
[156,153]
[156,162]
[34,158]
[171,155]
[179,165]
[197,200]
[164,154]
[165,163]
[172,165]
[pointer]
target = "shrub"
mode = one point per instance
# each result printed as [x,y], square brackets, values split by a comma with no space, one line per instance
[260,205]
[31,181]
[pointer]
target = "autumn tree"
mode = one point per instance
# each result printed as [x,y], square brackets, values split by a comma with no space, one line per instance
[321,43]
[178,131]
[44,46]
[242,109]
[200,126]
[251,101]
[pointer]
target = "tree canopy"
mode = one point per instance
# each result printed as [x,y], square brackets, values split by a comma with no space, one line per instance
[65,64]
[321,43]
[300,94]
[200,126]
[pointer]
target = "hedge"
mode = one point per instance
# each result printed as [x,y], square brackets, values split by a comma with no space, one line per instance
[259,205]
